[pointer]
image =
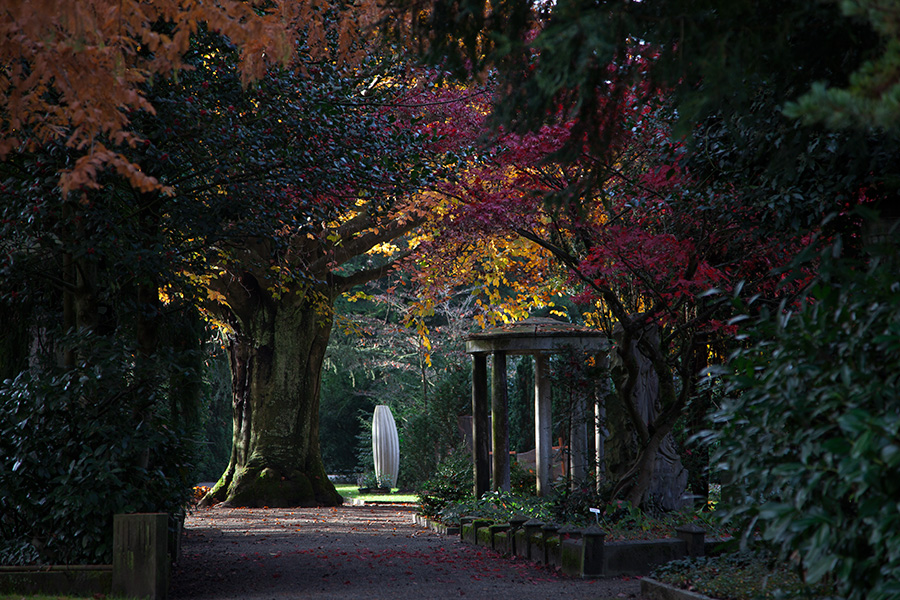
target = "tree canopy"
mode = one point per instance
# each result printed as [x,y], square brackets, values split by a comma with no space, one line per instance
[78,73]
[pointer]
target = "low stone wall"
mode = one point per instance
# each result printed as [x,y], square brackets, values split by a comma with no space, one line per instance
[640,557]
[579,552]
[82,580]
[144,547]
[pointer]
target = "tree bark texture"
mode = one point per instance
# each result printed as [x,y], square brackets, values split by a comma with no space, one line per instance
[276,359]
[647,463]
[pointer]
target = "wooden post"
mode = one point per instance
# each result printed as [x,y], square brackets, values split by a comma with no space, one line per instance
[140,555]
[543,423]
[500,422]
[480,451]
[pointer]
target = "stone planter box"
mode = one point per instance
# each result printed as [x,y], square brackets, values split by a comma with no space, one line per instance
[582,553]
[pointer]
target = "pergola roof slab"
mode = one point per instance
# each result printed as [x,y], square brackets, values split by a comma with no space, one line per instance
[536,335]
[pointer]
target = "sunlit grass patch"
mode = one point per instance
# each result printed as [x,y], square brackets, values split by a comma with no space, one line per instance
[351,491]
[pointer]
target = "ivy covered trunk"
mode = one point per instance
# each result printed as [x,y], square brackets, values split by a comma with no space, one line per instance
[276,358]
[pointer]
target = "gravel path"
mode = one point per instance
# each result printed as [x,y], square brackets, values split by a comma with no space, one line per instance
[355,552]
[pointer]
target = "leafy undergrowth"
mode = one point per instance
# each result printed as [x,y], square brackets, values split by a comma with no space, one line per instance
[740,576]
[620,520]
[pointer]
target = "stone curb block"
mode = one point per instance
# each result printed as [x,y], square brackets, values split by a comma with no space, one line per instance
[657,590]
[435,526]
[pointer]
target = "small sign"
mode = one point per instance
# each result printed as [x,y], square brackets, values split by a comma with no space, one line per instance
[596,512]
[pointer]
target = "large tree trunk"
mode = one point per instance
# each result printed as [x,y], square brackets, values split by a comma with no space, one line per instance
[648,466]
[276,359]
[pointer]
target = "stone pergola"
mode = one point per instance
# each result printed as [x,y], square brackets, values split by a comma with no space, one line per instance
[539,337]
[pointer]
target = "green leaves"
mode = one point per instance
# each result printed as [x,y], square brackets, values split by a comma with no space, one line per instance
[811,429]
[78,446]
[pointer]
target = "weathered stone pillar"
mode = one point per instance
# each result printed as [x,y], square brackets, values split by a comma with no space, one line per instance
[592,551]
[500,422]
[694,539]
[543,423]
[140,555]
[480,451]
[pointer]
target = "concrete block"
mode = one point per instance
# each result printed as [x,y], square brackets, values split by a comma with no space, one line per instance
[693,537]
[467,533]
[593,550]
[520,543]
[483,537]
[502,543]
[532,539]
[496,530]
[570,557]
[550,543]
[140,556]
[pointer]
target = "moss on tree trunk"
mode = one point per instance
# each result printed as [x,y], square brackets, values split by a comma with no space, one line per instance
[276,359]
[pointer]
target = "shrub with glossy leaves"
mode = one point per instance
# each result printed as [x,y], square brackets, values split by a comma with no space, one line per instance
[453,482]
[810,433]
[78,446]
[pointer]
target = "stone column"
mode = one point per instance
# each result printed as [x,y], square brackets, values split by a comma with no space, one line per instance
[543,423]
[480,452]
[500,422]
[600,431]
[599,440]
[578,441]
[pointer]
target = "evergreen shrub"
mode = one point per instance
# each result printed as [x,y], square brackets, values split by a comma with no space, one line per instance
[809,437]
[78,446]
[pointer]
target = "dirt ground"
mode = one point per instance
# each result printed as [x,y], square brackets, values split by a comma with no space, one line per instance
[355,552]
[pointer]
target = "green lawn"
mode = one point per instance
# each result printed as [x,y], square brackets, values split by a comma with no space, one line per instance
[351,491]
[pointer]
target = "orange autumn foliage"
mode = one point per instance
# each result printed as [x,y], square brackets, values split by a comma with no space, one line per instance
[73,72]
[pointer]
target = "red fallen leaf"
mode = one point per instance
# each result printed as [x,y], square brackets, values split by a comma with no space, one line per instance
[276,575]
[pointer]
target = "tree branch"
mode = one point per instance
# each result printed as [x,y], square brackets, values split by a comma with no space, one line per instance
[344,283]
